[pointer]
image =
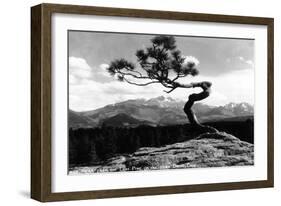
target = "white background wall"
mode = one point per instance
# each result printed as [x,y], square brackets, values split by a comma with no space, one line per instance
[15,102]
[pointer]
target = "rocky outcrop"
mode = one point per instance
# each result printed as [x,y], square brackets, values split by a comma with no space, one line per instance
[207,150]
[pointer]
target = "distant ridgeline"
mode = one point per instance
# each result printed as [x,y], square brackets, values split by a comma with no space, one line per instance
[92,146]
[159,111]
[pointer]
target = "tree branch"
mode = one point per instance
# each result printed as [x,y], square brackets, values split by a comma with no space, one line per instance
[204,85]
[133,75]
[178,75]
[170,90]
[140,84]
[140,74]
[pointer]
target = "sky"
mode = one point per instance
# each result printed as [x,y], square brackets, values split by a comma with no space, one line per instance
[227,63]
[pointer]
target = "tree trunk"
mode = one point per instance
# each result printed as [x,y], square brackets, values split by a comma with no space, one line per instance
[206,86]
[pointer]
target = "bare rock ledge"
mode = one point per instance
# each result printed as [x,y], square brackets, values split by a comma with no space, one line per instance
[207,150]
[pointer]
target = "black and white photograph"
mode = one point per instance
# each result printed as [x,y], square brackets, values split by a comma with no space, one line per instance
[143,102]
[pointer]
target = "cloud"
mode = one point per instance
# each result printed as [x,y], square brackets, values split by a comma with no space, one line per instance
[72,79]
[90,88]
[191,59]
[93,88]
[239,63]
[78,69]
[104,66]
[241,58]
[100,74]
[237,86]
[94,94]
[250,62]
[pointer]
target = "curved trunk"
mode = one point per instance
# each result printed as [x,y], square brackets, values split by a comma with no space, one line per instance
[188,108]
[206,86]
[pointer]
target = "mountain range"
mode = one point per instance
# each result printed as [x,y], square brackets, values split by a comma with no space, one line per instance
[156,111]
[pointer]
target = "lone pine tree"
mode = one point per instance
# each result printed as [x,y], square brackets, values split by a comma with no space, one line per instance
[162,63]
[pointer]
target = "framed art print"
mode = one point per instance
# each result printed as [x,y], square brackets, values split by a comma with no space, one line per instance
[130,102]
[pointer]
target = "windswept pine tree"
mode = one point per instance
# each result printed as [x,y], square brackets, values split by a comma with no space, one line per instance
[162,63]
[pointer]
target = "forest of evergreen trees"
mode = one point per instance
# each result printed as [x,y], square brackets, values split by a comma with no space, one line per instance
[93,146]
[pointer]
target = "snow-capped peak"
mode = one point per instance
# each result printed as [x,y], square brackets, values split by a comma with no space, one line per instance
[162,101]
